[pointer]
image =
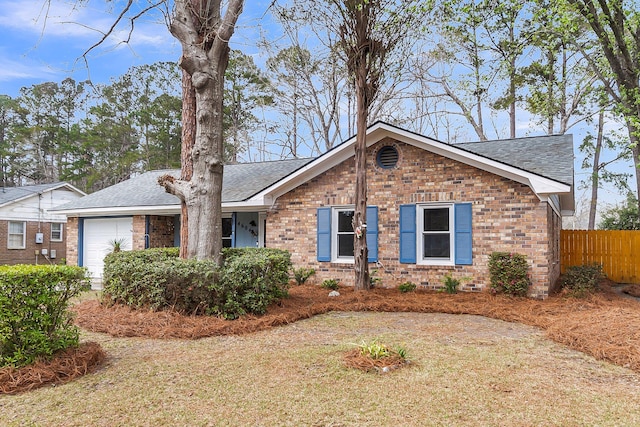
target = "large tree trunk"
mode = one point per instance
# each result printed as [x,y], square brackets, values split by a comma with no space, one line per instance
[204,36]
[188,141]
[360,249]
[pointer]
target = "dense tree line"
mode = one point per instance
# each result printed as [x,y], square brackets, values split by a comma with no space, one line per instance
[475,70]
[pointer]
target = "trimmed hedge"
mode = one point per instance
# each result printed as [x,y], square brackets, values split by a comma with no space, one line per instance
[34,321]
[249,280]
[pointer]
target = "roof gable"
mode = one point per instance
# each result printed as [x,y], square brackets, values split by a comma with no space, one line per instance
[545,177]
[9,195]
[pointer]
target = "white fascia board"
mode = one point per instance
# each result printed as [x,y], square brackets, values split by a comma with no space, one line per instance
[48,190]
[540,185]
[121,211]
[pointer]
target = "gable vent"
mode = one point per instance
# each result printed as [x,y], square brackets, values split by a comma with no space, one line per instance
[387,157]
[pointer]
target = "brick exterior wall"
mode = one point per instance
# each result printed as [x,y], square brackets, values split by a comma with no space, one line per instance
[28,255]
[507,216]
[72,240]
[161,231]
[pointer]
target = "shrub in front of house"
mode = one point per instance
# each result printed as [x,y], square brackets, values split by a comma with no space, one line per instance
[508,273]
[34,320]
[249,280]
[581,280]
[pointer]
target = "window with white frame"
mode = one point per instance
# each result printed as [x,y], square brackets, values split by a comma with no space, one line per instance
[435,234]
[16,235]
[342,223]
[335,234]
[56,231]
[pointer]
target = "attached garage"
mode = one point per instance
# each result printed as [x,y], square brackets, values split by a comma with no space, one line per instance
[98,236]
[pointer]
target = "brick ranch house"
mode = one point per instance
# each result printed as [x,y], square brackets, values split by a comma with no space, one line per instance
[29,232]
[433,209]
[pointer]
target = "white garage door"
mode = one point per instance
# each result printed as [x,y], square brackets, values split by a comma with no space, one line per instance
[99,235]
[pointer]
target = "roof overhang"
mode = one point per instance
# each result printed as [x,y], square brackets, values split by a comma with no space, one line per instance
[32,193]
[541,186]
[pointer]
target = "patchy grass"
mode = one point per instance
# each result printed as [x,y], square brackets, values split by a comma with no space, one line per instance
[466,370]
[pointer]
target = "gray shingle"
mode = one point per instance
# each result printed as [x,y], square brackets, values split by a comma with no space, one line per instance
[241,181]
[549,156]
[10,194]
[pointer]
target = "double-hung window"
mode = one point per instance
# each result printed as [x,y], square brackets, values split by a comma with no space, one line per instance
[335,234]
[436,238]
[17,234]
[343,240]
[56,232]
[436,234]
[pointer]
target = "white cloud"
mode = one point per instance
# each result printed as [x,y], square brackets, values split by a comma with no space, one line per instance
[13,70]
[84,22]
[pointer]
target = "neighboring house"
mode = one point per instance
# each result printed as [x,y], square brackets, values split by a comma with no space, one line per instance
[29,232]
[434,209]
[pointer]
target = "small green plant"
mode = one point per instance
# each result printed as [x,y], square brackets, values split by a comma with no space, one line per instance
[302,274]
[451,284]
[401,352]
[407,287]
[330,284]
[374,279]
[374,349]
[117,244]
[581,280]
[508,273]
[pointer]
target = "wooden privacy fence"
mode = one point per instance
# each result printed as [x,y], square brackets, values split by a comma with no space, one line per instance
[617,250]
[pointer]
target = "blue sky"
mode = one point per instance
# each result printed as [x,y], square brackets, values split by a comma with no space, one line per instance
[44,41]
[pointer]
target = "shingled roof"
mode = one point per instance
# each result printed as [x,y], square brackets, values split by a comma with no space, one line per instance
[240,182]
[550,156]
[545,163]
[13,194]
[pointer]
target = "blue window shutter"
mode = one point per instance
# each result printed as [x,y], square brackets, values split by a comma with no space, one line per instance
[408,234]
[324,234]
[372,233]
[463,214]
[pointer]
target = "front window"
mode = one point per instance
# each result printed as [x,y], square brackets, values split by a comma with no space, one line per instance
[436,241]
[56,232]
[227,230]
[343,237]
[16,235]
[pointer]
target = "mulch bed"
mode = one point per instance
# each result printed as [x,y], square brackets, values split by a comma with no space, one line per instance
[632,290]
[603,325]
[356,360]
[63,367]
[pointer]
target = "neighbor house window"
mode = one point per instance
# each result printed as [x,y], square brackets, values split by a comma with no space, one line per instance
[335,234]
[17,234]
[227,232]
[436,234]
[56,232]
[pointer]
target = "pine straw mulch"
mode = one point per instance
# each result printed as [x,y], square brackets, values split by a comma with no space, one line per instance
[603,325]
[63,367]
[633,290]
[356,360]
